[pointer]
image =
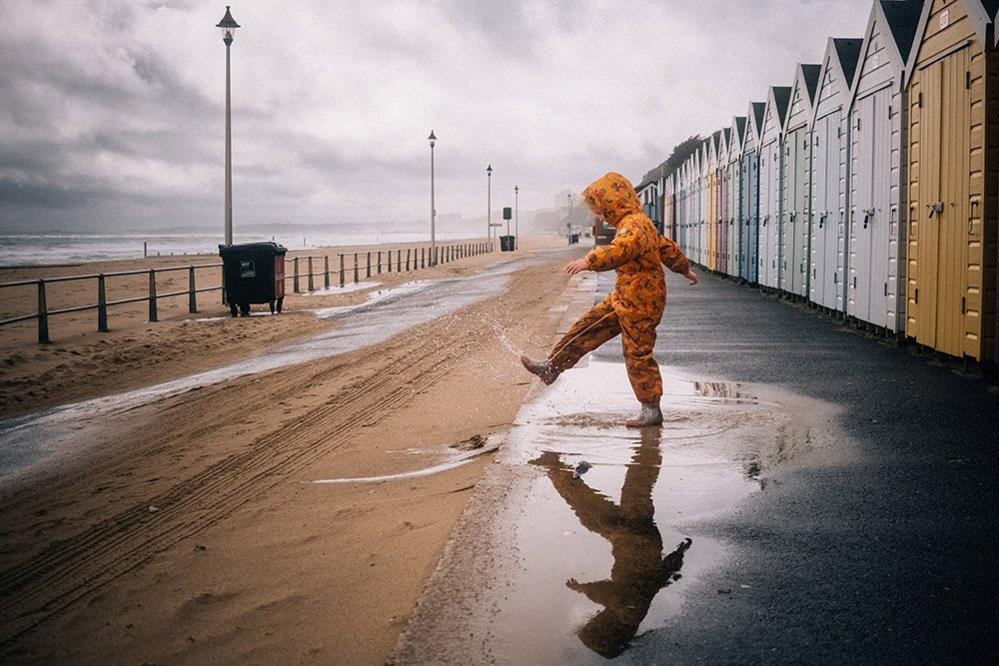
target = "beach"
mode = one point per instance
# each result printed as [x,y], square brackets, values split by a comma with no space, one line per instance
[185,526]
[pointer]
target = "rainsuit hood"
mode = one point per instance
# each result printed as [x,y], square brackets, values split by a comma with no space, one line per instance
[613,197]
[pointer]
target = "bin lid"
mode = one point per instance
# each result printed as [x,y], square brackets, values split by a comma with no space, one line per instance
[274,248]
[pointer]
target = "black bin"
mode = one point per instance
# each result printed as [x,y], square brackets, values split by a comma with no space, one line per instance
[508,243]
[253,273]
[573,239]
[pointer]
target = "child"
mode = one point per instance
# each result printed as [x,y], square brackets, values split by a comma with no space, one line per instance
[635,307]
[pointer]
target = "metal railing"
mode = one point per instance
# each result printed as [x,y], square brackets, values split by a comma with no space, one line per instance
[414,260]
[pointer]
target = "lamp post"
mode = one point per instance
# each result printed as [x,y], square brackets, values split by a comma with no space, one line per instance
[433,208]
[228,25]
[516,217]
[489,202]
[568,222]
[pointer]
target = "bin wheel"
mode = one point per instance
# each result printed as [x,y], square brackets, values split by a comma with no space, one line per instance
[244,309]
[280,302]
[232,309]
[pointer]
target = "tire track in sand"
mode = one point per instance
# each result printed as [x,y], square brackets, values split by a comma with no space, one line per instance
[70,569]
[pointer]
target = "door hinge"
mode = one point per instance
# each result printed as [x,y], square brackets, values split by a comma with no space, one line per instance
[836,278]
[854,281]
[839,132]
[889,112]
[967,80]
[886,288]
[917,296]
[962,305]
[919,100]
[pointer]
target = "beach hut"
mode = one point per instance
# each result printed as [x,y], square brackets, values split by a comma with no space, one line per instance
[771,158]
[669,204]
[681,207]
[721,208]
[704,205]
[830,131]
[750,210]
[734,197]
[796,181]
[877,130]
[953,141]
[712,212]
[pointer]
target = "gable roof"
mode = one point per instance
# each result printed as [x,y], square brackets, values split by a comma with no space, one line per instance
[781,95]
[902,17]
[810,75]
[759,108]
[848,54]
[739,125]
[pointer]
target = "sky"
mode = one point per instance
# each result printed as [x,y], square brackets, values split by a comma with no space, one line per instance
[112,112]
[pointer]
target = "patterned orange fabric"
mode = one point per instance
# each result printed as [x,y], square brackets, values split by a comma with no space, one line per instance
[635,307]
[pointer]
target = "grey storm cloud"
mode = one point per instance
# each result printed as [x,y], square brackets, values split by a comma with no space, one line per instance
[111,112]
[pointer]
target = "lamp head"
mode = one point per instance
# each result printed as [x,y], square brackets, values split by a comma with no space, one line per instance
[432,139]
[489,170]
[228,25]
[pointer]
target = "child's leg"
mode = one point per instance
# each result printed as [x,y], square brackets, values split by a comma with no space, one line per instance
[594,328]
[638,337]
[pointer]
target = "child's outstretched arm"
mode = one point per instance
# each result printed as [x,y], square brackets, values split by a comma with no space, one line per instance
[674,259]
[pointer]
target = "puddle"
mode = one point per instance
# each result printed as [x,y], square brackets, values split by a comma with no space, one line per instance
[585,563]
[345,289]
[456,460]
[28,439]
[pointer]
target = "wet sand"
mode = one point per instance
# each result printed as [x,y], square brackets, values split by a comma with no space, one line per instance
[189,529]
[81,363]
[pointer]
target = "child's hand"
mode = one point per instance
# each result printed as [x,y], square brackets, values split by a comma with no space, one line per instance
[577,266]
[692,276]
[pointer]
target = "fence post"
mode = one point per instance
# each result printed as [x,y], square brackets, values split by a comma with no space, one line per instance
[312,286]
[367,272]
[379,267]
[341,270]
[152,295]
[398,261]
[407,259]
[356,279]
[423,257]
[192,291]
[295,273]
[326,271]
[102,305]
[43,314]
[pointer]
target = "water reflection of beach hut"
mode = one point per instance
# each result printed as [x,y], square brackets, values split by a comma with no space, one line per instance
[953,103]
[750,209]
[877,112]
[734,196]
[796,181]
[830,151]
[771,156]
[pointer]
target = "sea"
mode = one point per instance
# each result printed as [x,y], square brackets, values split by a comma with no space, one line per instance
[52,248]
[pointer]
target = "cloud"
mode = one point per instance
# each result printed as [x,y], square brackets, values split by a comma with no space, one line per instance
[111,112]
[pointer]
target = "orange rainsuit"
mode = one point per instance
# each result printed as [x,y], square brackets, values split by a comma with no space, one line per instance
[635,307]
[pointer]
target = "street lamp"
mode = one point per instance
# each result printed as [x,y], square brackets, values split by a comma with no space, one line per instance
[489,202]
[228,25]
[516,217]
[433,209]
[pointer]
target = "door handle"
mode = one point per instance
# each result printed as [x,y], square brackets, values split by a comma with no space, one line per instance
[868,215]
[935,208]
[971,218]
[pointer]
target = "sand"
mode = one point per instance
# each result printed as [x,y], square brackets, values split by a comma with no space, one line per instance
[81,363]
[191,531]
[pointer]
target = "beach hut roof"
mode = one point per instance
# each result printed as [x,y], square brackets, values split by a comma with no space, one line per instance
[848,54]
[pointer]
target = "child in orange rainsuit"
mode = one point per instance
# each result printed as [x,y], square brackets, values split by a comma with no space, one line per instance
[635,307]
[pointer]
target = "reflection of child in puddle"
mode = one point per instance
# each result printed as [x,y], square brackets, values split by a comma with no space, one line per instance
[635,307]
[639,570]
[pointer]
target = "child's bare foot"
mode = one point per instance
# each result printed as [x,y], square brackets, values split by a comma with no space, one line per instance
[543,369]
[650,415]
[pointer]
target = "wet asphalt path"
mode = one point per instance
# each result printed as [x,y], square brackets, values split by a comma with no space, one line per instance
[878,549]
